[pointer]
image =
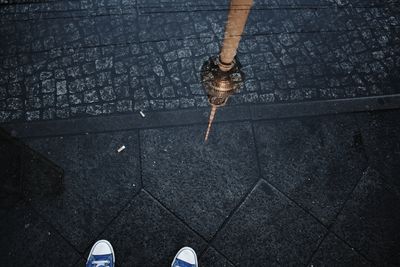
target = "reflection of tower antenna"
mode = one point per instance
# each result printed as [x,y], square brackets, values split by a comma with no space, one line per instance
[221,75]
[210,121]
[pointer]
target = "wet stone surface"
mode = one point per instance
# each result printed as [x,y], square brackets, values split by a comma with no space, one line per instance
[10,172]
[212,258]
[380,132]
[334,252]
[32,241]
[110,57]
[301,192]
[199,182]
[315,161]
[369,221]
[286,235]
[294,191]
[97,178]
[132,234]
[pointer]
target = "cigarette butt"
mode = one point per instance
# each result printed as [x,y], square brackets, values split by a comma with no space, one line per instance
[121,149]
[142,114]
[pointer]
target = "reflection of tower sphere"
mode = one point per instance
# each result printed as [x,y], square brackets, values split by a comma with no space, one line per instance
[221,76]
[219,84]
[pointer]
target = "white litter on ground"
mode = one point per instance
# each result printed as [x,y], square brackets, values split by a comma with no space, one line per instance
[142,114]
[121,149]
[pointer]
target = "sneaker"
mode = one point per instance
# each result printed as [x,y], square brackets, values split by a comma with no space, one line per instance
[101,255]
[186,257]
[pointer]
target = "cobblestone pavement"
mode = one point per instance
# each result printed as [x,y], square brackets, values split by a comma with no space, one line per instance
[64,59]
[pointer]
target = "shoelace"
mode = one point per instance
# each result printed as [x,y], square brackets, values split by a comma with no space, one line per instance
[101,263]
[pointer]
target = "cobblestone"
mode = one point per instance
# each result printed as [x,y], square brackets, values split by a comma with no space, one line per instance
[61,87]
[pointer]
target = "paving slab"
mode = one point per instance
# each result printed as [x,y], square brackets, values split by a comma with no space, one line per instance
[269,229]
[82,261]
[10,172]
[27,240]
[370,220]
[98,182]
[334,252]
[380,132]
[212,258]
[146,234]
[25,173]
[316,161]
[200,182]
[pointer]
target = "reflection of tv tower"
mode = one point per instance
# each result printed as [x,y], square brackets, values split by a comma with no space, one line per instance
[221,76]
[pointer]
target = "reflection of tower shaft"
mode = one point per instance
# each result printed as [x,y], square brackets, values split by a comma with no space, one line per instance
[223,77]
[210,121]
[238,13]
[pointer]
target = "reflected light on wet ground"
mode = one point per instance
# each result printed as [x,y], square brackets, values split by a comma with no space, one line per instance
[221,76]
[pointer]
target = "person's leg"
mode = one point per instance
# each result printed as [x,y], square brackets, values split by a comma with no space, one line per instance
[101,255]
[186,257]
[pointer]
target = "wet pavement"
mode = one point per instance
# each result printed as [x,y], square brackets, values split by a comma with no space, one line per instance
[301,168]
[69,59]
[311,190]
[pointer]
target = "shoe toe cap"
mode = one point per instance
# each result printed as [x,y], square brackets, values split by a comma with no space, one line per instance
[102,248]
[187,255]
